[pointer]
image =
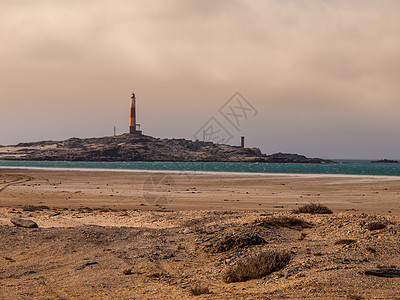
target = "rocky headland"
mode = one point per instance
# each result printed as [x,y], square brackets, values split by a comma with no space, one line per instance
[130,148]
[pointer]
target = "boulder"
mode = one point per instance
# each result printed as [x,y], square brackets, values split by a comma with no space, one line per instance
[24,223]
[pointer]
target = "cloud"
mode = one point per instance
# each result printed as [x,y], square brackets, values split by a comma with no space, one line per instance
[300,58]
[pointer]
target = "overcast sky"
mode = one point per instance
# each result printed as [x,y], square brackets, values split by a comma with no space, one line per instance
[324,76]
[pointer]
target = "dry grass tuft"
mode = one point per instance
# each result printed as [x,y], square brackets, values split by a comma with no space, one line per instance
[283,221]
[257,266]
[313,208]
[198,290]
[376,226]
[345,242]
[233,241]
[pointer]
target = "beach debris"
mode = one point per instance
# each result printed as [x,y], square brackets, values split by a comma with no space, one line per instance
[86,265]
[387,272]
[24,223]
[232,241]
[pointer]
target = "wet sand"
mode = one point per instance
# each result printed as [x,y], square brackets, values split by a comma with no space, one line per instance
[197,191]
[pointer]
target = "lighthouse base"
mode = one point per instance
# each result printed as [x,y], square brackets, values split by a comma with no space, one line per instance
[133,130]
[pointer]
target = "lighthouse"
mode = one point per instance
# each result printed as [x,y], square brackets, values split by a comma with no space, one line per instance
[134,128]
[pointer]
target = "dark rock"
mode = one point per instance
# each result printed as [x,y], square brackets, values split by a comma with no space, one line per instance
[24,223]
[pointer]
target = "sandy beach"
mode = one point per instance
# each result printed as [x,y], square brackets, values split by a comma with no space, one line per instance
[145,235]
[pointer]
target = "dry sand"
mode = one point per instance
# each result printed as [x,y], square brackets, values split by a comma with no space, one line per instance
[93,226]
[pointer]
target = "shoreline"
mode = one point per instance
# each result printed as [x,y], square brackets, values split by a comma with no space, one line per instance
[185,172]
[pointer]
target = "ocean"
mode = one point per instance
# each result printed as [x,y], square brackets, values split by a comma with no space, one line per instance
[349,167]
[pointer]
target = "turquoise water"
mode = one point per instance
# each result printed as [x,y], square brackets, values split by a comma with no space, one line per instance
[341,167]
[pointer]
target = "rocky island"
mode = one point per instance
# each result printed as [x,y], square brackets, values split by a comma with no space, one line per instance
[387,161]
[128,147]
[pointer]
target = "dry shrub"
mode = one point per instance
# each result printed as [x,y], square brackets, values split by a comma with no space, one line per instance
[282,221]
[376,226]
[256,266]
[198,290]
[345,242]
[233,241]
[313,208]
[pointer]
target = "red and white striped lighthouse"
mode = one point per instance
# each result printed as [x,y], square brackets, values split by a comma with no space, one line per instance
[133,126]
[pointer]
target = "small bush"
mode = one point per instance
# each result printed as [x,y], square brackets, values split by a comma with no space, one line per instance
[376,226]
[313,208]
[198,290]
[233,241]
[289,222]
[257,266]
[345,242]
[370,249]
